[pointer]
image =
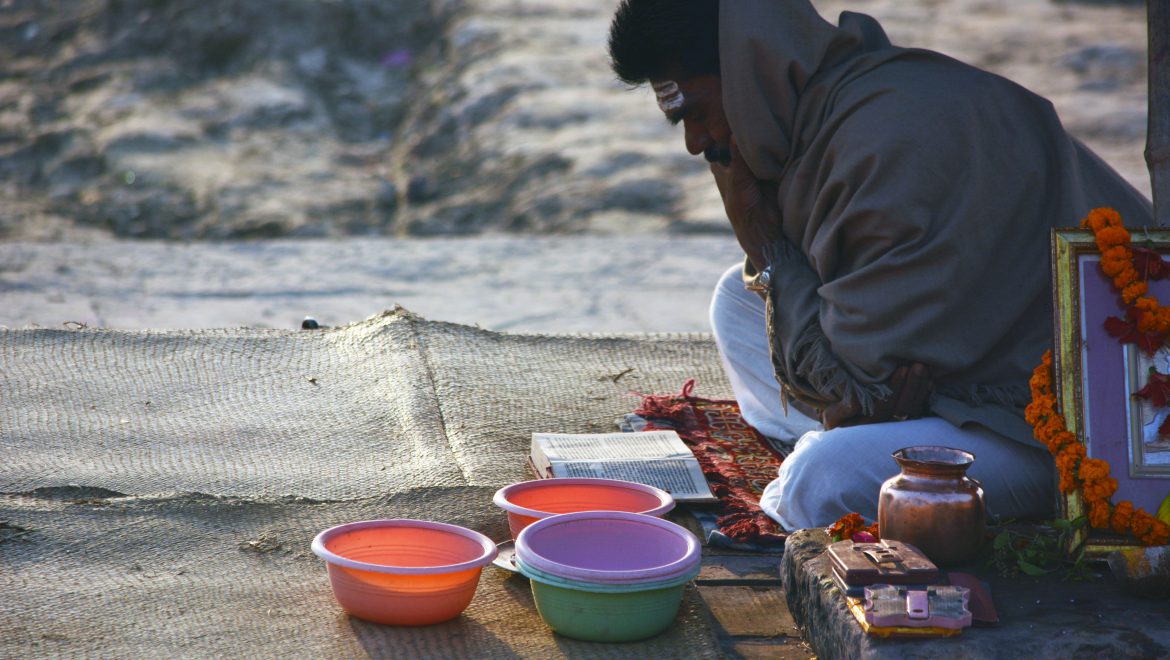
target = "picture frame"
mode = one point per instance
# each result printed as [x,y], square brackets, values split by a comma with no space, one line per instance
[1095,377]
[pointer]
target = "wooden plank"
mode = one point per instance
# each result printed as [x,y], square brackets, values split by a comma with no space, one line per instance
[1158,122]
[750,611]
[740,570]
[783,648]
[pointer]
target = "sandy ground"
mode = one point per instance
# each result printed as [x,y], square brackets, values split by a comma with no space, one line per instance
[507,125]
[537,284]
[223,119]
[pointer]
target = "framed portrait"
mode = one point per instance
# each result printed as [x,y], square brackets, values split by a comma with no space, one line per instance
[1096,378]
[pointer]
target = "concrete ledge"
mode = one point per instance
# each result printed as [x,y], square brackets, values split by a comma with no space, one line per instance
[1039,617]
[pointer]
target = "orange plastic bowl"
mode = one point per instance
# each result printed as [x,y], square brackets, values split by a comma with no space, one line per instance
[529,501]
[403,572]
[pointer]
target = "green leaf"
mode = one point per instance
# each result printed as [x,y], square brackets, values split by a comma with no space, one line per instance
[1060,523]
[1002,540]
[1030,569]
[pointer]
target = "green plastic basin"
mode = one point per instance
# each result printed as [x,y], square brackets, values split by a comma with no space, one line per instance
[591,616]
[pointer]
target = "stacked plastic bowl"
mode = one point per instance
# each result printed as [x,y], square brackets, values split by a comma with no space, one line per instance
[529,501]
[607,576]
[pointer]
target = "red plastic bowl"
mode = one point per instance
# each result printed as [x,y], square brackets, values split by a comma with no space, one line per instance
[403,572]
[529,501]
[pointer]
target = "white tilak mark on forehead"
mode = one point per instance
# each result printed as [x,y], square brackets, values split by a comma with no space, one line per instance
[669,95]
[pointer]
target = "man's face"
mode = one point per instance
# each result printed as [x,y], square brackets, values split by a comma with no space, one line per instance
[698,103]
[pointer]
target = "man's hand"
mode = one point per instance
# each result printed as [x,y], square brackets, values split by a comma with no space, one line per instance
[750,204]
[910,389]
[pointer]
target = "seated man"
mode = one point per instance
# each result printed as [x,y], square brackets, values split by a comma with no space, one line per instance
[895,207]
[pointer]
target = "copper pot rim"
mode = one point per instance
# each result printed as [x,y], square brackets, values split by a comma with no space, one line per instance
[936,456]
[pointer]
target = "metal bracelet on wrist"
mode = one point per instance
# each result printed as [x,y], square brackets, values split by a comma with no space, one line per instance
[762,282]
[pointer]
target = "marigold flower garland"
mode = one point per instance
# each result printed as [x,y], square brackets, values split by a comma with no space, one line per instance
[1119,261]
[852,526]
[1089,475]
[1077,471]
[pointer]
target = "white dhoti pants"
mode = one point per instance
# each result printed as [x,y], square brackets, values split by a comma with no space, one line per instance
[832,473]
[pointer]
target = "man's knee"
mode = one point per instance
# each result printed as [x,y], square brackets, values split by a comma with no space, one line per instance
[830,474]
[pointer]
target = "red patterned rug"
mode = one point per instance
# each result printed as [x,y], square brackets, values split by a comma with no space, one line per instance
[737,460]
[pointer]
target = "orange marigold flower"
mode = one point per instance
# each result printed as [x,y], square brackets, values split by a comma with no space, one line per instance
[1115,260]
[1046,403]
[1123,279]
[1146,304]
[1108,487]
[1090,494]
[1067,460]
[1041,406]
[1099,490]
[1112,237]
[1158,534]
[1048,431]
[1141,523]
[1148,322]
[1101,217]
[1067,484]
[1122,513]
[1093,469]
[1117,253]
[1064,465]
[1055,438]
[1060,438]
[1099,515]
[1114,253]
[1073,452]
[1133,291]
[847,526]
[1161,320]
[1113,234]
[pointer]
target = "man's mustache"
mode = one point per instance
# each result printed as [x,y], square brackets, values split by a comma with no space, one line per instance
[721,155]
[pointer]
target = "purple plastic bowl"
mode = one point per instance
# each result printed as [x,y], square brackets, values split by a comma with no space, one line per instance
[608,547]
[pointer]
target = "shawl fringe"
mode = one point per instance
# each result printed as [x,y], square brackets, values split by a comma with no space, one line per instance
[815,361]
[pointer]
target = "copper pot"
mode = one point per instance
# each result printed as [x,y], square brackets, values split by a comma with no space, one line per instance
[933,505]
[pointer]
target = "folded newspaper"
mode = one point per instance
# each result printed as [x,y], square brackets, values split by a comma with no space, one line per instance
[655,458]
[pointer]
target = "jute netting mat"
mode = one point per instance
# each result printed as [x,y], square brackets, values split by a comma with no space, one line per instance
[390,403]
[159,490]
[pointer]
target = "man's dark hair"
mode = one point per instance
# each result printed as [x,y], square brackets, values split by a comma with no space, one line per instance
[658,39]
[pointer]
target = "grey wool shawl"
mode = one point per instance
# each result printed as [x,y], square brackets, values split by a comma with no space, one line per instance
[917,195]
